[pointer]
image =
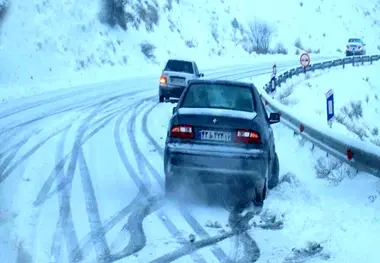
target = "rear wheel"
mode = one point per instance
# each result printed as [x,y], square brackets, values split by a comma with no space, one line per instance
[161,98]
[275,173]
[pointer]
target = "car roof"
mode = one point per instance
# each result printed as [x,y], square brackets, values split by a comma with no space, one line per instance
[181,59]
[222,82]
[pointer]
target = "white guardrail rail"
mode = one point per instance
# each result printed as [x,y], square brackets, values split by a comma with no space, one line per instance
[361,155]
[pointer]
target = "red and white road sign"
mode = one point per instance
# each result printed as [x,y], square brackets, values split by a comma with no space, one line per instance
[305,60]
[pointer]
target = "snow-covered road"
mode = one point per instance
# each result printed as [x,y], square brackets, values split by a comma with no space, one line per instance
[81,180]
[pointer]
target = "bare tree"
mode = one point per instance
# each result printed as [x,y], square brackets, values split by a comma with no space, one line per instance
[260,34]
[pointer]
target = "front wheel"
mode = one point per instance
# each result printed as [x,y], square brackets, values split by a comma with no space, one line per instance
[275,173]
[161,98]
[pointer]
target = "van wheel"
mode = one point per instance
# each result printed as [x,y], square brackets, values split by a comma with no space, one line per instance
[161,98]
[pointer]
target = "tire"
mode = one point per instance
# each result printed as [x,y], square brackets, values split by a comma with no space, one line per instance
[161,98]
[274,179]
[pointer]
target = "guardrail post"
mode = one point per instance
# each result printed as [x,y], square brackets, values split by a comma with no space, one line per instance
[362,61]
[370,59]
[353,61]
[343,63]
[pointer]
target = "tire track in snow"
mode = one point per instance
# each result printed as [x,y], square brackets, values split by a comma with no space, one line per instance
[55,248]
[143,208]
[43,194]
[99,241]
[4,175]
[248,242]
[58,172]
[143,191]
[192,247]
[65,220]
[144,163]
[18,144]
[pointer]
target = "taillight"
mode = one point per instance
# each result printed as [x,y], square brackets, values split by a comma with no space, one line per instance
[163,80]
[182,131]
[248,136]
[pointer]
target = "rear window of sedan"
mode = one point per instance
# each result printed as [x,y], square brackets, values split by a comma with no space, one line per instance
[219,96]
[179,66]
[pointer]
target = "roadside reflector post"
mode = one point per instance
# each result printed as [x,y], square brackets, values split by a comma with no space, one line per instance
[330,107]
[350,154]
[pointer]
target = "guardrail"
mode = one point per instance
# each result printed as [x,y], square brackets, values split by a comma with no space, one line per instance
[361,155]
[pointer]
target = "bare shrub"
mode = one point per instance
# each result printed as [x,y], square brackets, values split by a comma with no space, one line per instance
[284,94]
[375,131]
[148,14]
[4,8]
[113,13]
[348,117]
[191,43]
[169,5]
[260,34]
[376,142]
[353,110]
[333,170]
[148,50]
[298,43]
[235,23]
[280,49]
[214,32]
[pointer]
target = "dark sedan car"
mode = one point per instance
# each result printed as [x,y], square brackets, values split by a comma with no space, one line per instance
[220,133]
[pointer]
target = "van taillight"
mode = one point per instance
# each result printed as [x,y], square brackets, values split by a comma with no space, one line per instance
[163,80]
[182,131]
[248,136]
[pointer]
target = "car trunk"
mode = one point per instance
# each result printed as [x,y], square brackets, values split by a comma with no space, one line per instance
[177,78]
[214,126]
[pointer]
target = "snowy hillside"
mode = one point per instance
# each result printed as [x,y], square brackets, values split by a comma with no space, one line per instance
[356,97]
[51,40]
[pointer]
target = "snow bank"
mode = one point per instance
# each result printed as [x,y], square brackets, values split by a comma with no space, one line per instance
[63,43]
[356,98]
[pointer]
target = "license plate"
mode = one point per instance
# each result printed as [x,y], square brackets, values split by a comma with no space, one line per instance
[178,81]
[215,135]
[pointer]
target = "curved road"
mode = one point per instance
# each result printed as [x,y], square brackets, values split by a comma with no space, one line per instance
[81,180]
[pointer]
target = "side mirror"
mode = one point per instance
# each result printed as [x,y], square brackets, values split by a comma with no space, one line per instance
[201,75]
[274,117]
[174,110]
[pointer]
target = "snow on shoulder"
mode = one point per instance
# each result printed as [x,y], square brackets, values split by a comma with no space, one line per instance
[218,112]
